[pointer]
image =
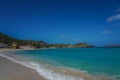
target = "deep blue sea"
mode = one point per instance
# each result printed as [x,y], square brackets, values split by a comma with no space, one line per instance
[94,61]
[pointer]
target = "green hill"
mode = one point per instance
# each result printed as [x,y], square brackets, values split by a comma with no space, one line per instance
[38,44]
[9,40]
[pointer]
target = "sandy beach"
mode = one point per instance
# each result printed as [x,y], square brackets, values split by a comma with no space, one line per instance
[13,71]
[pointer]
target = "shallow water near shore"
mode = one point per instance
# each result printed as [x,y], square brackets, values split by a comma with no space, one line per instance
[72,63]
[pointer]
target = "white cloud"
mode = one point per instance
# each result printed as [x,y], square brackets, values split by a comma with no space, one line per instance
[105,32]
[113,18]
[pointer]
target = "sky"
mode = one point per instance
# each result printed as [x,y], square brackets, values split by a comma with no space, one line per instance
[96,22]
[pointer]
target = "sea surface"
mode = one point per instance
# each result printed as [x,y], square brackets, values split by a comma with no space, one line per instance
[71,63]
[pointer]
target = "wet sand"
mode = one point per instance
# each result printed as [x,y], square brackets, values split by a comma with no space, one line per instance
[13,71]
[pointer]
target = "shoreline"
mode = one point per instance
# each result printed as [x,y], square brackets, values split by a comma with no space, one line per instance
[10,70]
[62,71]
[69,73]
[7,49]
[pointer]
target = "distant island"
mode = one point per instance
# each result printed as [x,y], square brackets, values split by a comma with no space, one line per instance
[10,42]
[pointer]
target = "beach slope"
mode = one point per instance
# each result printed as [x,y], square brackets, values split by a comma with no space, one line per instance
[13,71]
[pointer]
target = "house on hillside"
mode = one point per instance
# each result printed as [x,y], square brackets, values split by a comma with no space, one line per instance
[15,45]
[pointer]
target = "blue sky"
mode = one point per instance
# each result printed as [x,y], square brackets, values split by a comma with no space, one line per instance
[96,22]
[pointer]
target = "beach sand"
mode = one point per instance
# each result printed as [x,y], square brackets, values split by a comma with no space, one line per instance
[13,71]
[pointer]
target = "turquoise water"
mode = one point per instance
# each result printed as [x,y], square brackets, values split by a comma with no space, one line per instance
[92,60]
[57,64]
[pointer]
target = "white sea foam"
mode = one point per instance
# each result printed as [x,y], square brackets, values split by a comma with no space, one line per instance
[48,74]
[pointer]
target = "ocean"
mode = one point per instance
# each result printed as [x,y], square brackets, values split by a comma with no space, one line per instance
[71,63]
